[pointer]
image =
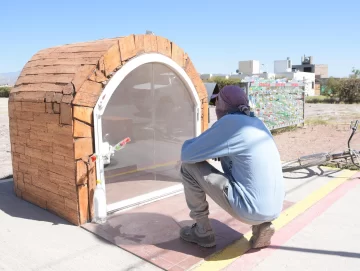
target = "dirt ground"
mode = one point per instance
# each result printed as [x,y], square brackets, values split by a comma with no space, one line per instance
[326,129]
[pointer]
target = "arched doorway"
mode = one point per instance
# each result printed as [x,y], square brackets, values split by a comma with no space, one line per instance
[153,101]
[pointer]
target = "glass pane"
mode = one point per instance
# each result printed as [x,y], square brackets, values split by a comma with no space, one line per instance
[153,107]
[175,123]
[129,114]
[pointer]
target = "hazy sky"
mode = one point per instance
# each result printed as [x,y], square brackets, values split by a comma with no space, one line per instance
[216,34]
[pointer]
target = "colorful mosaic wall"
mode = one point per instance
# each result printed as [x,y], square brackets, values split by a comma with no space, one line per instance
[279,103]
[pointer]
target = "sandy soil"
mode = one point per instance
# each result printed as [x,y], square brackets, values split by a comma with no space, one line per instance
[327,129]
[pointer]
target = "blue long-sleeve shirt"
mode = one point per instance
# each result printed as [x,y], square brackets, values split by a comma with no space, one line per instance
[251,161]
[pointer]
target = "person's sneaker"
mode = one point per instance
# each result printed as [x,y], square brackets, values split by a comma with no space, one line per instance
[204,238]
[261,235]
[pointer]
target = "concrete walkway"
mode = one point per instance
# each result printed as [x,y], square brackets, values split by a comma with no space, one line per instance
[329,242]
[33,239]
[320,231]
[325,237]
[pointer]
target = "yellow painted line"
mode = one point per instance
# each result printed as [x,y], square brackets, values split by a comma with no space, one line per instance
[142,169]
[222,259]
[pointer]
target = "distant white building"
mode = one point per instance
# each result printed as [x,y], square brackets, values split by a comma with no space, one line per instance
[249,67]
[208,76]
[281,66]
[264,75]
[307,77]
[282,69]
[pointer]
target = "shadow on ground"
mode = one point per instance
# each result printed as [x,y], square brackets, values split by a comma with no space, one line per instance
[16,207]
[129,230]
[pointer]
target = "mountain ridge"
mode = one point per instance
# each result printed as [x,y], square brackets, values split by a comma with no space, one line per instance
[9,78]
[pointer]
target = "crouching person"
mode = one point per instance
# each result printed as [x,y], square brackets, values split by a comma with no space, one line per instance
[251,188]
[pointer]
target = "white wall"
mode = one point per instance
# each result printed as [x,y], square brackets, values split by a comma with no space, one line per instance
[207,76]
[261,75]
[282,66]
[309,80]
[249,67]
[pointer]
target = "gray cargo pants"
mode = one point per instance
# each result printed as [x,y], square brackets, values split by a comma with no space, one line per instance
[200,179]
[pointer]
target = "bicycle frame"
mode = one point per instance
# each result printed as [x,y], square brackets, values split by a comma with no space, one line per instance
[354,128]
[350,152]
[322,158]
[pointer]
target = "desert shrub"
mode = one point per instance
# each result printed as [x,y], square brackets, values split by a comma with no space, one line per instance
[222,82]
[321,99]
[5,91]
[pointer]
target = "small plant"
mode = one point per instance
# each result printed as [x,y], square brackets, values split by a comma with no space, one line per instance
[5,92]
[316,121]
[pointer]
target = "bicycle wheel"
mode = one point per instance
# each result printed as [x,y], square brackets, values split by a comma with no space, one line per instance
[348,157]
[305,162]
[355,158]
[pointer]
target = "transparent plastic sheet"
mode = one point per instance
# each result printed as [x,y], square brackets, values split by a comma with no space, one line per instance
[153,107]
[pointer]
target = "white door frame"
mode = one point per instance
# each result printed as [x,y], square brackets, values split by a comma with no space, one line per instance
[100,107]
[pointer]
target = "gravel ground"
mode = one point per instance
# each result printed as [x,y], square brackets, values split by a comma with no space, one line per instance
[327,129]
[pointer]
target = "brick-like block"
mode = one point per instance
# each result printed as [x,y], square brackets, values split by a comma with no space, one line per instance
[83,147]
[39,144]
[150,44]
[204,115]
[139,43]
[82,75]
[36,97]
[81,173]
[98,76]
[163,46]
[72,204]
[65,113]
[112,59]
[82,129]
[83,196]
[57,98]
[22,115]
[91,188]
[45,78]
[196,80]
[56,108]
[36,153]
[45,118]
[91,87]
[67,99]
[57,129]
[127,47]
[85,99]
[35,199]
[84,114]
[33,107]
[68,89]
[49,108]
[177,54]
[63,211]
[67,152]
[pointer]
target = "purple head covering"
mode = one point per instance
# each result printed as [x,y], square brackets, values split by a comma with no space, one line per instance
[232,99]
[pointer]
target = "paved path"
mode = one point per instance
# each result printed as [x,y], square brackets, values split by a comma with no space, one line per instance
[321,236]
[319,231]
[33,239]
